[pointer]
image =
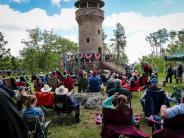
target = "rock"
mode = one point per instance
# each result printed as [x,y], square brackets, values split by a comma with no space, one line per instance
[90,100]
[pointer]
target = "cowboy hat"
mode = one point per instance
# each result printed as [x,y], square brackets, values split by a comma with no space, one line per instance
[61,90]
[46,88]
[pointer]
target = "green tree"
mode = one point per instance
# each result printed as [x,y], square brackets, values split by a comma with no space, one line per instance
[43,50]
[177,42]
[30,53]
[157,40]
[106,50]
[119,44]
[5,56]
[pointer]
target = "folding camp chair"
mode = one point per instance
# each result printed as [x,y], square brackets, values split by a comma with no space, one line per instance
[115,124]
[36,129]
[64,108]
[170,128]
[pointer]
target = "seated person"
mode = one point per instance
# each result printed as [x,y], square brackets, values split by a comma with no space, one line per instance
[68,83]
[110,84]
[94,82]
[153,99]
[32,110]
[176,95]
[38,84]
[124,83]
[166,113]
[134,83]
[45,97]
[6,89]
[46,88]
[21,98]
[71,104]
[119,89]
[83,82]
[118,102]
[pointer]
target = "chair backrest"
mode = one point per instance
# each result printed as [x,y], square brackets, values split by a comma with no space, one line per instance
[112,116]
[45,99]
[61,102]
[31,122]
[176,122]
[35,126]
[153,102]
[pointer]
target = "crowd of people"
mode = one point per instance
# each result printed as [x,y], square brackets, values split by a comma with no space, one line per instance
[119,88]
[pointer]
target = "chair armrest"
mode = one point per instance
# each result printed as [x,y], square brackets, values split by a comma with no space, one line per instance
[152,122]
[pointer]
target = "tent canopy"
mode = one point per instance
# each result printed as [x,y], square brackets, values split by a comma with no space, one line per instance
[178,56]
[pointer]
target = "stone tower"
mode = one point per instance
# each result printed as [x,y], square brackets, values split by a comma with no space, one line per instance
[90,16]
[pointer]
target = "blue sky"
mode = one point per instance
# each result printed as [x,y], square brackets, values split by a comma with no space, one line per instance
[139,17]
[146,7]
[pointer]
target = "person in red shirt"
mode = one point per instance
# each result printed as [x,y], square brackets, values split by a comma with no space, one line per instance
[38,85]
[68,83]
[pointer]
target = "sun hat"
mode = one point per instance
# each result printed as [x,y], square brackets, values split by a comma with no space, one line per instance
[46,88]
[153,81]
[61,90]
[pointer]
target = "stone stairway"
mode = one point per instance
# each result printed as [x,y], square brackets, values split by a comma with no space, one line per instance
[112,66]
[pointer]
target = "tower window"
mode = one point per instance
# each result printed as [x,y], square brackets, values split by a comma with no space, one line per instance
[98,31]
[87,40]
[83,5]
[92,4]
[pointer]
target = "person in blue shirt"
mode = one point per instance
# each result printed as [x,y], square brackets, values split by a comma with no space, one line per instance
[32,109]
[173,111]
[166,113]
[94,83]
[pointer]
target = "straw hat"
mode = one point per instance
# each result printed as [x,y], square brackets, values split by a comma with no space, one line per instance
[46,88]
[61,90]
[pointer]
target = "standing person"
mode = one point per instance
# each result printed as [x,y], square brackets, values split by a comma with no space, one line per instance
[11,124]
[180,72]
[156,70]
[169,74]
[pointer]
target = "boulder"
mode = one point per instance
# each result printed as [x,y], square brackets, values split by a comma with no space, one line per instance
[90,100]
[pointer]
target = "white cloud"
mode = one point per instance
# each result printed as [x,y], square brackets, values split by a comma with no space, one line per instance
[138,26]
[66,0]
[56,2]
[73,38]
[14,24]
